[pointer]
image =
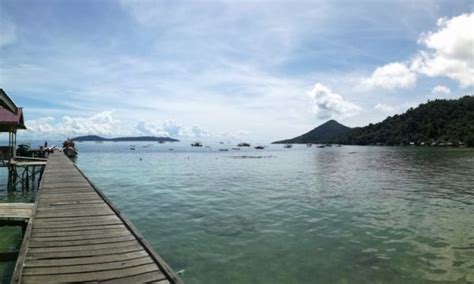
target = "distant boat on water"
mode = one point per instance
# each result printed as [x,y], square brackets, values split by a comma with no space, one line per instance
[288,146]
[321,146]
[196,144]
[235,148]
[243,144]
[224,150]
[259,147]
[69,148]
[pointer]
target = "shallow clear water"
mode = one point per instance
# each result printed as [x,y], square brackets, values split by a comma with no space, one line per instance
[301,215]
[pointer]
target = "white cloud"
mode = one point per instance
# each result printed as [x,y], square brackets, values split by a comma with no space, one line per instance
[391,76]
[100,124]
[441,90]
[327,104]
[7,31]
[170,128]
[384,108]
[450,50]
[105,124]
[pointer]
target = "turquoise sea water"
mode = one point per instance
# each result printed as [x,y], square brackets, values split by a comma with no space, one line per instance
[302,215]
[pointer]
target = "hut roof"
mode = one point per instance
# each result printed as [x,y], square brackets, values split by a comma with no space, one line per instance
[11,116]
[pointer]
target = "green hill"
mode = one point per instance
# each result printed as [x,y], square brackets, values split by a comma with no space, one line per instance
[324,133]
[438,122]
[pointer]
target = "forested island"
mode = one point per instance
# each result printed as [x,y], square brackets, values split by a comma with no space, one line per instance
[438,123]
[95,138]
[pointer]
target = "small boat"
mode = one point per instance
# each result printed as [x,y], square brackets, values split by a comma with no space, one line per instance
[132,148]
[328,145]
[288,146]
[321,146]
[224,150]
[196,144]
[161,141]
[69,148]
[259,147]
[243,145]
[309,145]
[235,148]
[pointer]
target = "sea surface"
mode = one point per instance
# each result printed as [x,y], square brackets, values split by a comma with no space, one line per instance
[348,214]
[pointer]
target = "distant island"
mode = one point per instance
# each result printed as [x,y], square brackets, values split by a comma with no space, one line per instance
[436,123]
[321,134]
[96,138]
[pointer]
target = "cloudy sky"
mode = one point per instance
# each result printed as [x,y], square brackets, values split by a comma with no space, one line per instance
[259,70]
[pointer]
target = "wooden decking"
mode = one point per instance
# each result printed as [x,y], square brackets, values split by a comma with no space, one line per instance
[75,234]
[15,211]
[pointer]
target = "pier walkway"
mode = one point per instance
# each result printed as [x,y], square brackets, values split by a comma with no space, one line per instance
[75,234]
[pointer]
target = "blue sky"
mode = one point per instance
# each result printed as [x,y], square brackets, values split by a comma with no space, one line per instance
[255,70]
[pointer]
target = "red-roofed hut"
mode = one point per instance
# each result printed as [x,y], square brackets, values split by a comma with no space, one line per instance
[11,119]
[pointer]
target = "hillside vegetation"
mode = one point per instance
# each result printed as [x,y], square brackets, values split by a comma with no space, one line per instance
[438,122]
[435,122]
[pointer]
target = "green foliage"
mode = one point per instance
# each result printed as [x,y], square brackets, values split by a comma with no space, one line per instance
[439,121]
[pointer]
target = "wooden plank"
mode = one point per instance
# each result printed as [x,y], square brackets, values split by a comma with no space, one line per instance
[16,210]
[70,195]
[97,233]
[66,183]
[74,206]
[76,213]
[65,220]
[148,277]
[84,253]
[72,202]
[87,267]
[42,244]
[63,211]
[83,247]
[77,224]
[92,276]
[83,228]
[69,198]
[86,260]
[76,237]
[69,187]
[17,205]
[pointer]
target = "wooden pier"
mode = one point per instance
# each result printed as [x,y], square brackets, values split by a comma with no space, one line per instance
[75,234]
